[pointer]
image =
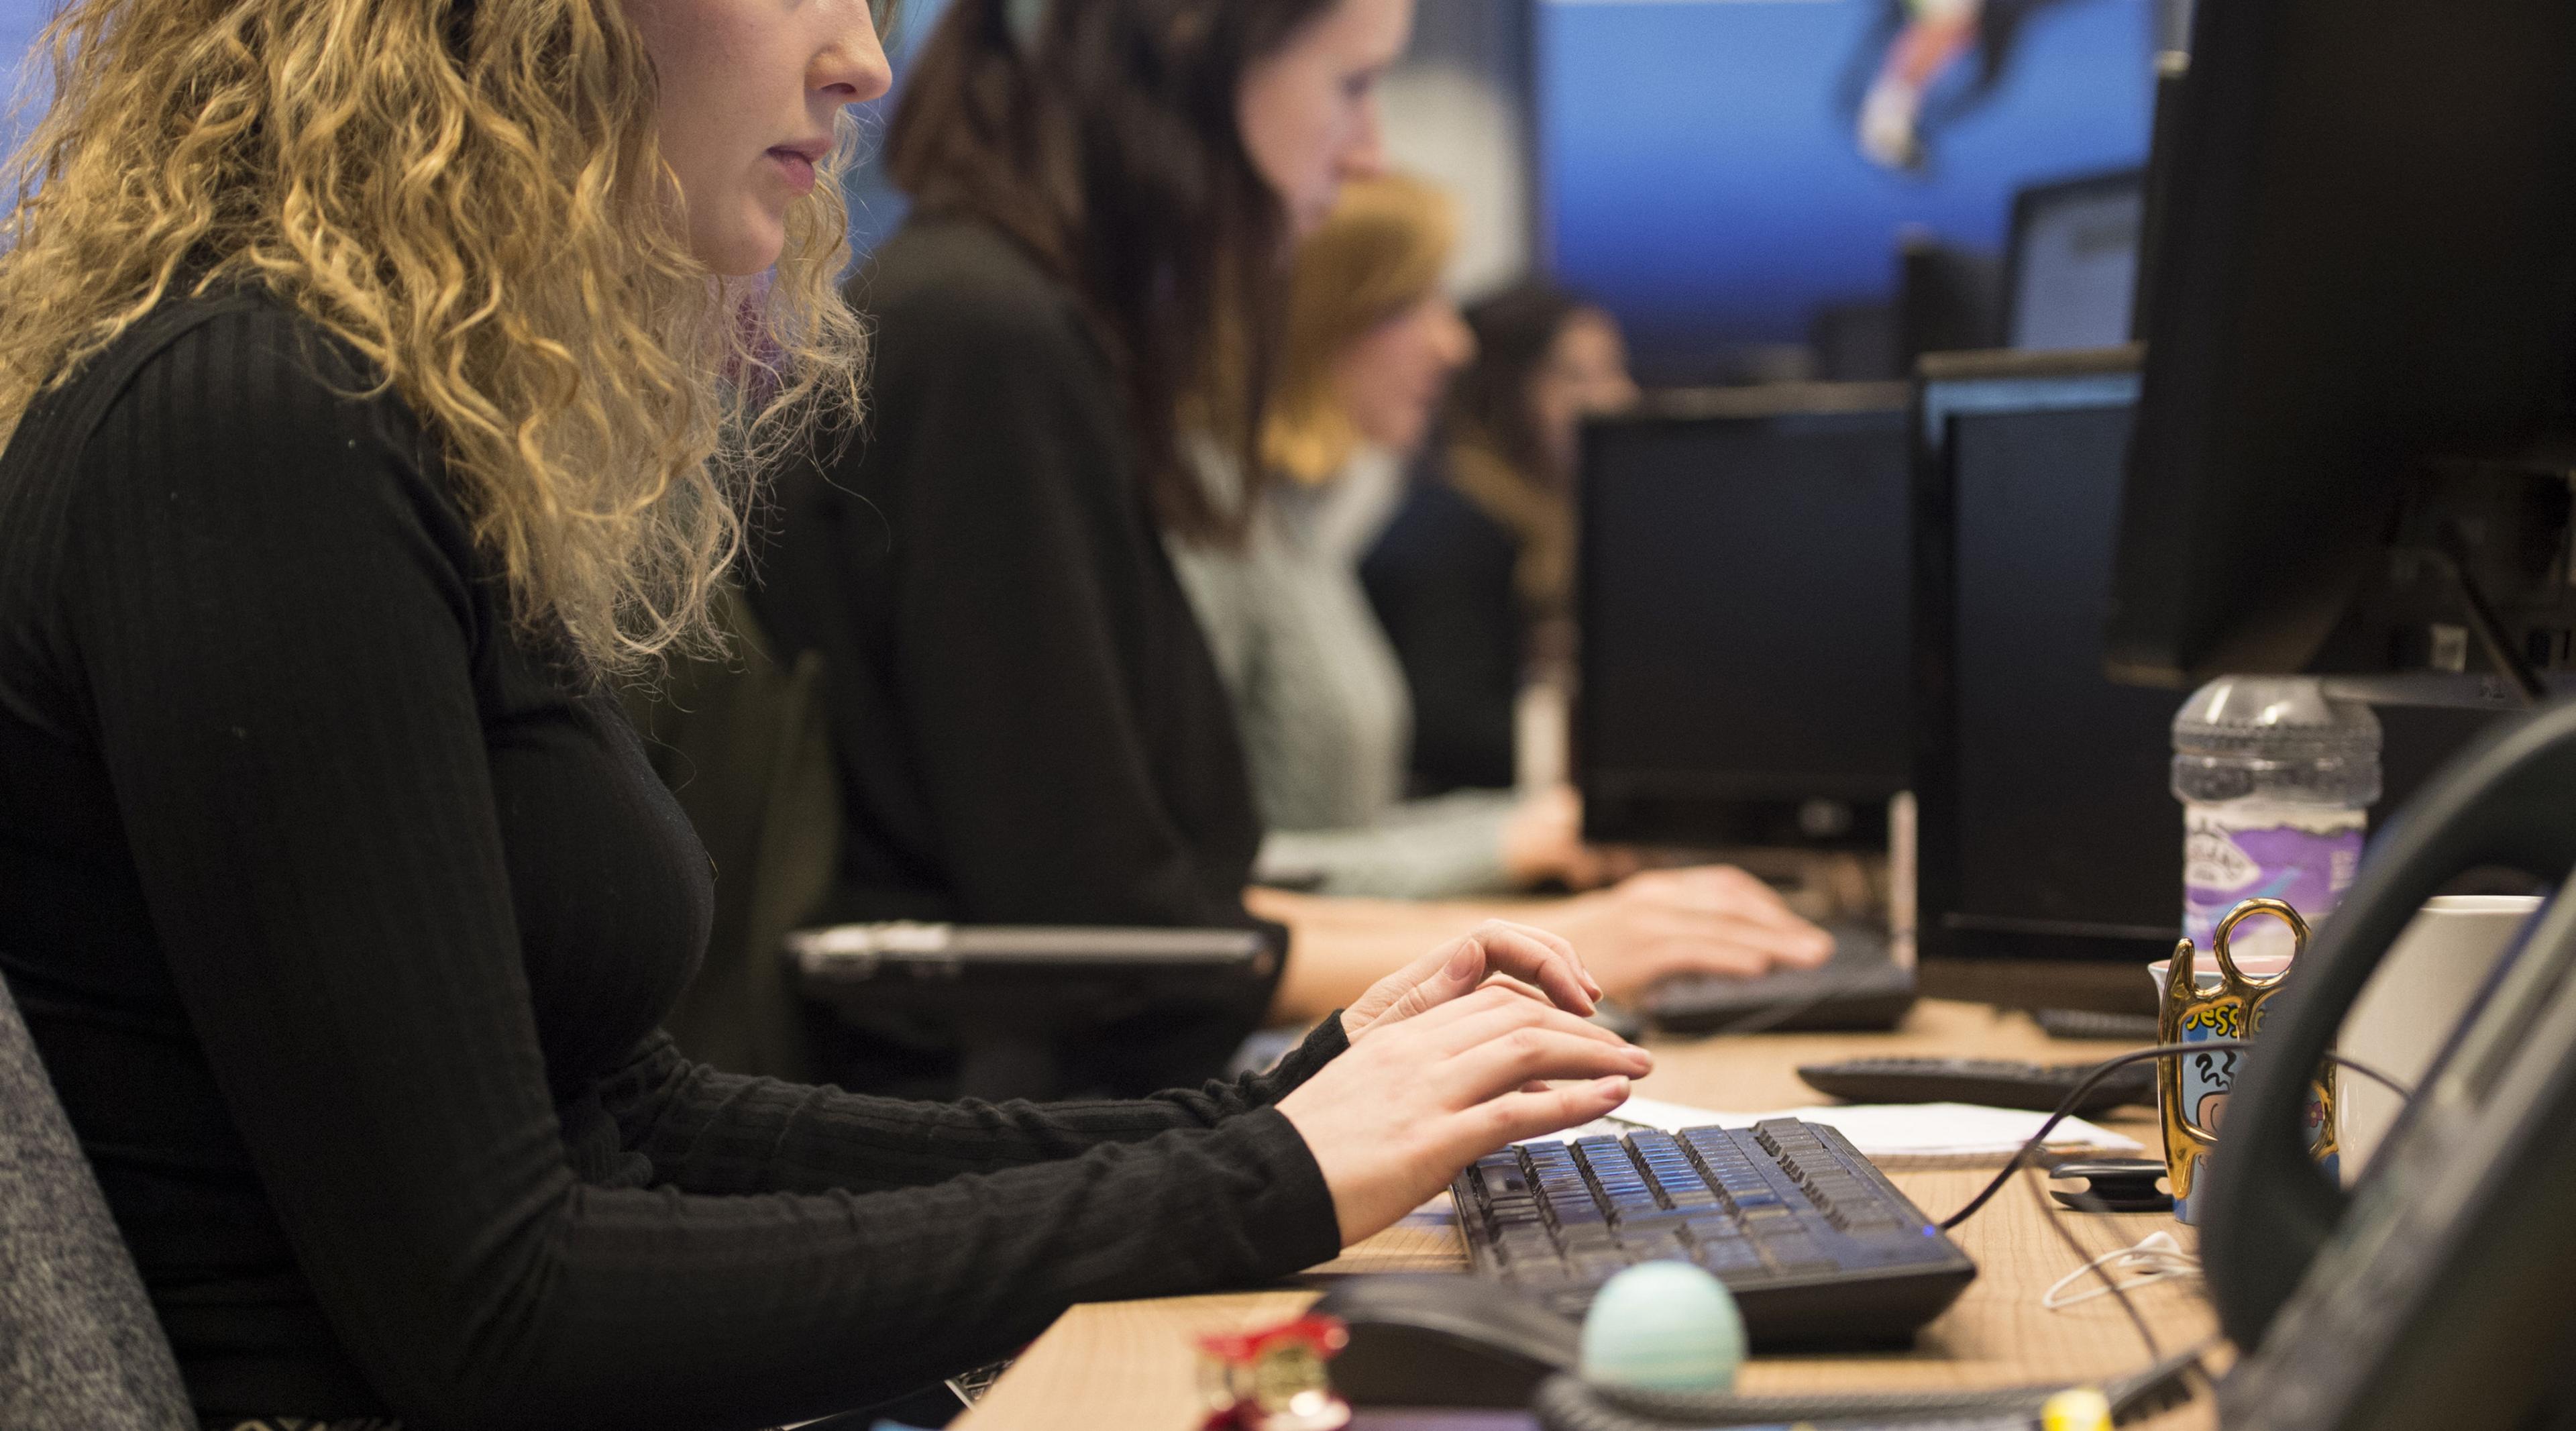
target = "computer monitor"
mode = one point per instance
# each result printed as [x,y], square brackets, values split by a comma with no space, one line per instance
[2361,350]
[1741,597]
[2046,826]
[1949,298]
[2071,273]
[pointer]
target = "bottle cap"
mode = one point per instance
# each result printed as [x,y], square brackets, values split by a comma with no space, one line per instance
[2274,718]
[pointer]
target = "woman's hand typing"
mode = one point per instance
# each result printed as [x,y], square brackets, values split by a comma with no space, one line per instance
[1474,1046]
[1714,919]
[1533,961]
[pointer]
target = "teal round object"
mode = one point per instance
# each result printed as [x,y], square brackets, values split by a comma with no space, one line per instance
[1665,1325]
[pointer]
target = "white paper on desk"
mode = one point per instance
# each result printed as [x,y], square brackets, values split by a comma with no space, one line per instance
[1881,1130]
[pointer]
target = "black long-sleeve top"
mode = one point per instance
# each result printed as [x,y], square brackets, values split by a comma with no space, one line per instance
[1441,581]
[343,923]
[1031,727]
[1029,724]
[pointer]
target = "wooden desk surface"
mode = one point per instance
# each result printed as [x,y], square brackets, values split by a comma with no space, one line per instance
[1132,1364]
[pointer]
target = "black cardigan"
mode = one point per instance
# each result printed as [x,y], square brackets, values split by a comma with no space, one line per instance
[1030,725]
[1441,581]
[343,925]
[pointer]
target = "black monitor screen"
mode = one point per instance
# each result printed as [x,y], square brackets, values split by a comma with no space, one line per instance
[2364,287]
[2062,823]
[1743,597]
[2049,830]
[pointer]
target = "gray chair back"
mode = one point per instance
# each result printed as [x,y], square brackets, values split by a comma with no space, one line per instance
[80,1349]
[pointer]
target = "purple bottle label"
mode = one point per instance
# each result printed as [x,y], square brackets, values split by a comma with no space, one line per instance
[2304,857]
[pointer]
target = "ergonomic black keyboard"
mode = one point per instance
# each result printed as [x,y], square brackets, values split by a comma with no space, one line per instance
[1860,988]
[1817,1245]
[1994,1082]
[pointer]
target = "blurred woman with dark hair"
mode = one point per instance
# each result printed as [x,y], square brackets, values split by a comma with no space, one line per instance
[1471,579]
[1030,727]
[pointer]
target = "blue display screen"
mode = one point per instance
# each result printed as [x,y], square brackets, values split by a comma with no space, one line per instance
[1702,161]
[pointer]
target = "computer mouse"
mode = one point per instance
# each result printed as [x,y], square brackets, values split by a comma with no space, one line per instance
[1455,1340]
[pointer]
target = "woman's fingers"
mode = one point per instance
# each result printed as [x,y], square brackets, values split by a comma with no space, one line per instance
[1531,1055]
[1658,960]
[1715,888]
[1535,1113]
[1492,1013]
[1453,969]
[1802,945]
[1539,958]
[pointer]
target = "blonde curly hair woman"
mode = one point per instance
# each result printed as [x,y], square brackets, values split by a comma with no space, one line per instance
[378,375]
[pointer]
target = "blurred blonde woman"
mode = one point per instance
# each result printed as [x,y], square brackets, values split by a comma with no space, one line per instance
[1372,343]
[377,377]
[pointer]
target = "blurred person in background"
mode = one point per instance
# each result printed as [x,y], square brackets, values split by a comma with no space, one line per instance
[1472,579]
[1372,344]
[1029,727]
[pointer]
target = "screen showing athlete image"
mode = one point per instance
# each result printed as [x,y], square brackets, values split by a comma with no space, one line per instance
[1929,63]
[1719,173]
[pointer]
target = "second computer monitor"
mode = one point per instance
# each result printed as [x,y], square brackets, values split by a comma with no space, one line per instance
[1742,599]
[2047,826]
[2071,277]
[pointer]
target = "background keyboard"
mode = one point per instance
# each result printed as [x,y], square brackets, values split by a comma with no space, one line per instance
[1860,988]
[1996,1083]
[1817,1245]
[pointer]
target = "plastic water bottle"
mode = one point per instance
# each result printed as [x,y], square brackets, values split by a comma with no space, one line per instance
[2276,781]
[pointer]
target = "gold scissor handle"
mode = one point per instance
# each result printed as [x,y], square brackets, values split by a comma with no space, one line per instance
[2218,941]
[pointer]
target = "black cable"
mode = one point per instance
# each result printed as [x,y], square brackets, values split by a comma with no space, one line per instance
[2453,548]
[2066,1106]
[2109,1279]
[1567,1402]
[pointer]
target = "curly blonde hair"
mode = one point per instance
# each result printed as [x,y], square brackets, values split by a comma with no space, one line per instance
[470,194]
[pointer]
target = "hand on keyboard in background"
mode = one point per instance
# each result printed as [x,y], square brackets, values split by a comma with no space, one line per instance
[1713,919]
[1537,962]
[1393,1119]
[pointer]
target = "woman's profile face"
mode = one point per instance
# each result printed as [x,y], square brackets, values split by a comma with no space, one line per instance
[1391,380]
[1308,111]
[1585,375]
[750,89]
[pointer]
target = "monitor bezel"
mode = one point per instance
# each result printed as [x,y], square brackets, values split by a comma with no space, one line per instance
[1757,812]
[1952,386]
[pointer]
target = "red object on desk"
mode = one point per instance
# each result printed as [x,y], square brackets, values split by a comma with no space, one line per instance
[1274,1379]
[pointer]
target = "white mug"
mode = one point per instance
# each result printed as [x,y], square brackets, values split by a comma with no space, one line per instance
[2413,1002]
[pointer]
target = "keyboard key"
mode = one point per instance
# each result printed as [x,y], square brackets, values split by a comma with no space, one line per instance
[1664,1246]
[1730,1255]
[1797,1259]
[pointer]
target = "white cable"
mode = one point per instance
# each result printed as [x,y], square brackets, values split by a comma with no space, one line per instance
[2155,1258]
